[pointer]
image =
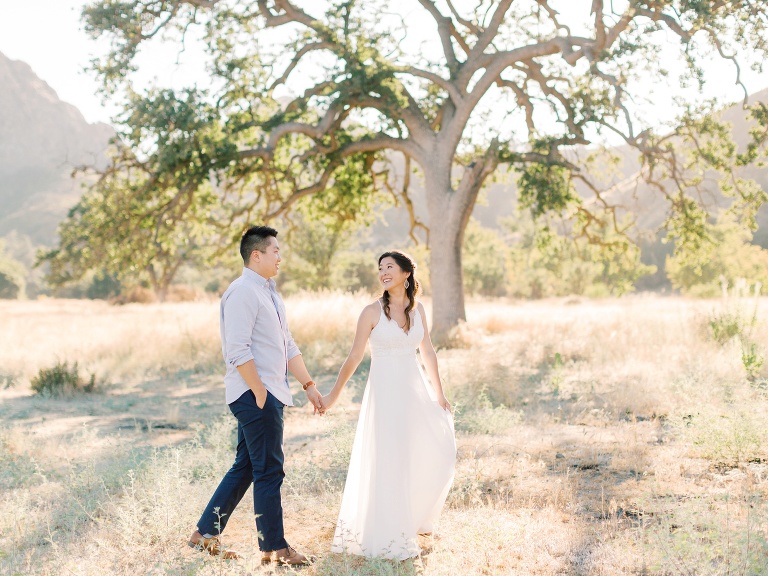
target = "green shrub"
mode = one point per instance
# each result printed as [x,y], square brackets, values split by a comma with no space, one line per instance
[752,359]
[728,257]
[61,380]
[484,261]
[734,321]
[17,468]
[543,262]
[482,417]
[724,326]
[712,536]
[727,439]
[103,286]
[12,276]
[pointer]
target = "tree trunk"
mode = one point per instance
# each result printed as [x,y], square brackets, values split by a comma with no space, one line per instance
[449,212]
[447,281]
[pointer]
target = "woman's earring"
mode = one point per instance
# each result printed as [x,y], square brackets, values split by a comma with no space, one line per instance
[406,284]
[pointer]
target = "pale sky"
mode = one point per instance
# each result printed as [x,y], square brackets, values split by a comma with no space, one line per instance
[48,35]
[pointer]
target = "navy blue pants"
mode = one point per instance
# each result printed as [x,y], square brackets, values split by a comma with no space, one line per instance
[259,460]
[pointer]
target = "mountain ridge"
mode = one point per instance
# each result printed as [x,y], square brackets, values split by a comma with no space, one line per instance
[42,139]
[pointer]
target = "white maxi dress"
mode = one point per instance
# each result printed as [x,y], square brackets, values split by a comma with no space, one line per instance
[403,456]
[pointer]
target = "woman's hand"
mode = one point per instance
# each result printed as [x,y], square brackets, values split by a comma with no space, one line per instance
[444,404]
[328,402]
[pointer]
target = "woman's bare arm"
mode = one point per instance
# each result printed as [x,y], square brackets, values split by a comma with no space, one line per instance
[365,323]
[429,357]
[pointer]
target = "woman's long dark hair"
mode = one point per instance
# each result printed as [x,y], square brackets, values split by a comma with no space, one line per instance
[406,265]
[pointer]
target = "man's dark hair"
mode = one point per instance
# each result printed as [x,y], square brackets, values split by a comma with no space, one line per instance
[255,238]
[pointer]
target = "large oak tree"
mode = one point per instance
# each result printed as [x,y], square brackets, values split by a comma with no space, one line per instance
[312,98]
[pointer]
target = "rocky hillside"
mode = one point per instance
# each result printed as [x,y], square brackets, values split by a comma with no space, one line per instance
[41,140]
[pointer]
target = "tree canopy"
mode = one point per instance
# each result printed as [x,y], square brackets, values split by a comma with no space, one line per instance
[314,98]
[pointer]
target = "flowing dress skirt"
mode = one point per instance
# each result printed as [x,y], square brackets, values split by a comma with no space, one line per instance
[402,461]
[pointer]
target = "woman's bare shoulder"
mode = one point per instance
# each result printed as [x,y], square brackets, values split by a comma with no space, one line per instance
[372,310]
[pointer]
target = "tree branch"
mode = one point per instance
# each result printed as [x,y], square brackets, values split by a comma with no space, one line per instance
[456,95]
[295,61]
[444,26]
[490,32]
[471,26]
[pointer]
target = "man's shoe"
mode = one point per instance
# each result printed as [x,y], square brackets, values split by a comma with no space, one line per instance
[290,557]
[211,545]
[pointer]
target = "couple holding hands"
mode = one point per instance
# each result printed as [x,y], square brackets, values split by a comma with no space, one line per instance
[404,451]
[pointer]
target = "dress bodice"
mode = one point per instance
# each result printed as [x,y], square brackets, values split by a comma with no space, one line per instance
[388,339]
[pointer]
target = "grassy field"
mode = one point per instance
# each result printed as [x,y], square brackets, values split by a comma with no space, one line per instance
[595,437]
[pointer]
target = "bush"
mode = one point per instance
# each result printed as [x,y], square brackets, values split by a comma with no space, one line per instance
[482,417]
[734,321]
[728,439]
[484,261]
[728,257]
[61,380]
[135,295]
[725,326]
[544,262]
[184,293]
[355,272]
[12,276]
[103,286]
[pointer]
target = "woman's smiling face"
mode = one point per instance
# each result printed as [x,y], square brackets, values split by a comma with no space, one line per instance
[390,274]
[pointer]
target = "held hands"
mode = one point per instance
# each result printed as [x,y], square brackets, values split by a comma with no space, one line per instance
[328,401]
[317,400]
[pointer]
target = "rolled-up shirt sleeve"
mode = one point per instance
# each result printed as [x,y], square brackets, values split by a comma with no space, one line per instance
[291,348]
[240,312]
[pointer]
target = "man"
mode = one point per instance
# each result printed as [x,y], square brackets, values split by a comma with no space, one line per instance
[259,352]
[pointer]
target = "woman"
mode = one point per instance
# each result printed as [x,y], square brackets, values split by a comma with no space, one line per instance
[404,451]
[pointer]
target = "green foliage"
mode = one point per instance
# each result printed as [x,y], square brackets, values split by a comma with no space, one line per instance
[544,187]
[358,92]
[752,359]
[480,416]
[728,439]
[543,262]
[312,246]
[725,257]
[115,231]
[103,286]
[734,321]
[356,271]
[320,231]
[725,326]
[62,379]
[532,261]
[12,276]
[17,469]
[707,536]
[484,259]
[681,163]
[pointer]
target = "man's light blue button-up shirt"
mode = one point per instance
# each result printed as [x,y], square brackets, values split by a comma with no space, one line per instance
[252,329]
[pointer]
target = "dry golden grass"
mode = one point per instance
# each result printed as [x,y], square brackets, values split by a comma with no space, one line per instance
[595,437]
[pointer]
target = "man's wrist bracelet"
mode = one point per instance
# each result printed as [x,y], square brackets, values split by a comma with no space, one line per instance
[308,384]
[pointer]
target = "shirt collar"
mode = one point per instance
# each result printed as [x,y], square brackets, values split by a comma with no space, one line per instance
[258,278]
